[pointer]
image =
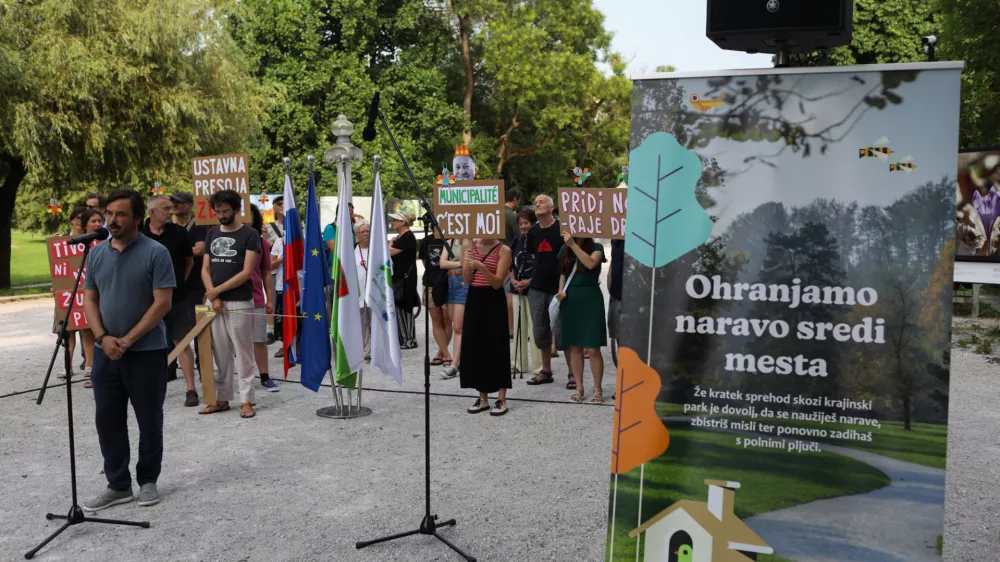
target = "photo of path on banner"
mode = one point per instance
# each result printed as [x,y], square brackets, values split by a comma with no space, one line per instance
[784,343]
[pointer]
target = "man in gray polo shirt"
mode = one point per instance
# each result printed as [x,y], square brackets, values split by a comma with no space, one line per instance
[127,292]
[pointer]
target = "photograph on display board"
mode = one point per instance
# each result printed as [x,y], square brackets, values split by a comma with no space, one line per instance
[783,347]
[977,230]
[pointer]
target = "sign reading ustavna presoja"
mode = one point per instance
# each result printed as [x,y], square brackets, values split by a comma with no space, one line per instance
[593,212]
[470,209]
[783,373]
[216,173]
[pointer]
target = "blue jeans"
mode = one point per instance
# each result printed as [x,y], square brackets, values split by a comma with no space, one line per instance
[139,377]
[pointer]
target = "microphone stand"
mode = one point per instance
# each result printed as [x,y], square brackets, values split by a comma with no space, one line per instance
[429,525]
[75,516]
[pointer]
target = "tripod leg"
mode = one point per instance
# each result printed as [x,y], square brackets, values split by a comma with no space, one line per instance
[31,553]
[455,548]
[361,544]
[143,524]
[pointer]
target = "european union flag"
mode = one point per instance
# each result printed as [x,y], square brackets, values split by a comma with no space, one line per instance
[314,342]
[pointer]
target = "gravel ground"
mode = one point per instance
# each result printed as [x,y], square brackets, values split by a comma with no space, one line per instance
[289,485]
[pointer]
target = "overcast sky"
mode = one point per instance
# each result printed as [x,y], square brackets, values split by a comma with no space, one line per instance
[655,32]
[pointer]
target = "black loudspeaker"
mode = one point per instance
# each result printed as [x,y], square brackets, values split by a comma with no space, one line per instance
[772,26]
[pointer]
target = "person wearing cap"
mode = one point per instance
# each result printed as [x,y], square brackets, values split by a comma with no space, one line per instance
[403,249]
[194,288]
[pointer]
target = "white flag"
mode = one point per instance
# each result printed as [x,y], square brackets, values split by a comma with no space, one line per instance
[385,337]
[349,349]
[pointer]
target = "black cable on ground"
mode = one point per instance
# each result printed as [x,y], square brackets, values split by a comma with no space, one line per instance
[387,390]
[452,395]
[57,385]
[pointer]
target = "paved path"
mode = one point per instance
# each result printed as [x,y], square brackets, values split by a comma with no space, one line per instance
[898,523]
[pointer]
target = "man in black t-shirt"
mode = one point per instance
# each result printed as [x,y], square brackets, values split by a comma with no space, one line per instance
[180,320]
[233,250]
[544,241]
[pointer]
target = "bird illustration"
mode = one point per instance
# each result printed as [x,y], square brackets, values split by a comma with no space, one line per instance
[54,206]
[685,553]
[704,105]
[878,149]
[581,175]
[905,165]
[263,199]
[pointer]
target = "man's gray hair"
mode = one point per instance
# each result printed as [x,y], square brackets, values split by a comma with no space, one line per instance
[156,201]
[547,199]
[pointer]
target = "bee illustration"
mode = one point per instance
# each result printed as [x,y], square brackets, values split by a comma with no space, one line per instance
[878,149]
[905,165]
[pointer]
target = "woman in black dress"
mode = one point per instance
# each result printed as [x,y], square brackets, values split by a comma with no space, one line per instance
[486,343]
[403,249]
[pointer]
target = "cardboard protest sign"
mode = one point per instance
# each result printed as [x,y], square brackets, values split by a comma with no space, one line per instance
[470,209]
[216,173]
[64,263]
[785,319]
[593,212]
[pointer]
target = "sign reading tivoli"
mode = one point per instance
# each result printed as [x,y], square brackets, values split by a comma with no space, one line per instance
[786,316]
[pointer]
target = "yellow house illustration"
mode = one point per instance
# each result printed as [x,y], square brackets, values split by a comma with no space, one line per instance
[691,531]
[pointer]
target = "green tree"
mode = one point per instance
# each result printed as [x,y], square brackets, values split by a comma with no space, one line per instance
[887,31]
[329,57]
[969,33]
[112,93]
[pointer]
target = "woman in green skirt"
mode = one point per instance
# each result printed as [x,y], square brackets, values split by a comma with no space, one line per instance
[581,314]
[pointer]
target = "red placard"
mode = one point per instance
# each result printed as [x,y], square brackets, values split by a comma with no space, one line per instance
[64,264]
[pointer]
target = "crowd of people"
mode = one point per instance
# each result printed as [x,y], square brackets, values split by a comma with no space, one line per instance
[489,304]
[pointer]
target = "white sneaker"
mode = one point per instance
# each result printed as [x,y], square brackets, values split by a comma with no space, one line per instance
[480,406]
[499,409]
[449,373]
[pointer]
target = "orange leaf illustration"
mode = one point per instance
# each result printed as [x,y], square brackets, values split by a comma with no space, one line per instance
[639,436]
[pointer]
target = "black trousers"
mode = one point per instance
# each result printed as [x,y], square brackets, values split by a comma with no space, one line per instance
[139,377]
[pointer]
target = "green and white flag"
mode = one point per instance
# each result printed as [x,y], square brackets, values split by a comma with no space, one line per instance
[385,336]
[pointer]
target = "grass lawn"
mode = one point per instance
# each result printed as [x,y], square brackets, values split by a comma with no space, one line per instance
[770,479]
[29,260]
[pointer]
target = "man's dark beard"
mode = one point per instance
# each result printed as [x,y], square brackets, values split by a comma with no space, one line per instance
[226,221]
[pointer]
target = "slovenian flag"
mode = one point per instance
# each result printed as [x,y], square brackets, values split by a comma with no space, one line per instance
[292,265]
[346,324]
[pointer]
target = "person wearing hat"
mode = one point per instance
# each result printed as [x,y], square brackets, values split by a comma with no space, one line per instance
[403,249]
[194,287]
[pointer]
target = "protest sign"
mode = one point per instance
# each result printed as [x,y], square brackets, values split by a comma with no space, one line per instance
[593,212]
[64,264]
[785,326]
[470,209]
[216,173]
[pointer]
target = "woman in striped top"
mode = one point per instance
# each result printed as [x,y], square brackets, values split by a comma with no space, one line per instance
[486,343]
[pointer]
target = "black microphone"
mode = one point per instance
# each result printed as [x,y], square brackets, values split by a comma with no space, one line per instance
[369,133]
[99,234]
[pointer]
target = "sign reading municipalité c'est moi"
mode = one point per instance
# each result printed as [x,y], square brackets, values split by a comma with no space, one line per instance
[216,173]
[470,209]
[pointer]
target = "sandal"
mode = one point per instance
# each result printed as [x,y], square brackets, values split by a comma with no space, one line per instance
[598,397]
[61,376]
[571,384]
[577,396]
[246,410]
[437,361]
[215,408]
[545,377]
[88,384]
[445,363]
